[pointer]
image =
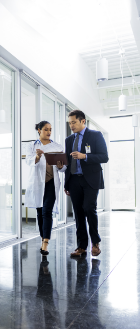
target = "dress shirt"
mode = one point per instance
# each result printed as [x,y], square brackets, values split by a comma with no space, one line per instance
[81,134]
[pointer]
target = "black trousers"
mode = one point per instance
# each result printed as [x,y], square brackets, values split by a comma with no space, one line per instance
[44,214]
[84,200]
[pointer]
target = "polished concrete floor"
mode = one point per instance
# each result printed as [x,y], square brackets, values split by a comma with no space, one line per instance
[60,292]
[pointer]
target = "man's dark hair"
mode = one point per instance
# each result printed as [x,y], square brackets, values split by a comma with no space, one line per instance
[79,115]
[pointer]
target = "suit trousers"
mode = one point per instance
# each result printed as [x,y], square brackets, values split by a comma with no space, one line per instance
[44,214]
[84,200]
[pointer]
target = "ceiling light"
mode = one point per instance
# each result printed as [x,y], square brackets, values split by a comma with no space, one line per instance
[102,69]
[122,103]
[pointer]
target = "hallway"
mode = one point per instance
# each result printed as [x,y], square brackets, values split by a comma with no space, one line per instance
[62,293]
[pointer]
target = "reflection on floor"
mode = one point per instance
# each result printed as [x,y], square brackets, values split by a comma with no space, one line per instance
[29,229]
[60,292]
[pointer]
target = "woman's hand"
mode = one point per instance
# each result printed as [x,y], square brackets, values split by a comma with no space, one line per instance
[38,155]
[59,164]
[67,192]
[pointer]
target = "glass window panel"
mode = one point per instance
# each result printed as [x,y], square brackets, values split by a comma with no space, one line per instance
[29,92]
[68,130]
[122,175]
[28,109]
[58,122]
[7,224]
[61,175]
[121,128]
[48,111]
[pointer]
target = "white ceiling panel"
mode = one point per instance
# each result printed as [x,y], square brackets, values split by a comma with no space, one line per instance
[88,27]
[113,26]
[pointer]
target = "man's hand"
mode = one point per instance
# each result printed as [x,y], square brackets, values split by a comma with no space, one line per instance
[59,164]
[67,192]
[78,155]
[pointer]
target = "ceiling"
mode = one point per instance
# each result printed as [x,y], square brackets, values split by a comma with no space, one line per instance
[86,26]
[113,31]
[90,28]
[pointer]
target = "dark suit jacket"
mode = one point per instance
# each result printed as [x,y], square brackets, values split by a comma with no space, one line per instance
[91,168]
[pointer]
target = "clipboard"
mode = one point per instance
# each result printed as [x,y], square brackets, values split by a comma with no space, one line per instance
[52,158]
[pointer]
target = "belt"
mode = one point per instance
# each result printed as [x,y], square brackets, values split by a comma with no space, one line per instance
[76,174]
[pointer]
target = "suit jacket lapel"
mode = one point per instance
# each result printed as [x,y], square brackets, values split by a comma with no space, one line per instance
[71,142]
[85,140]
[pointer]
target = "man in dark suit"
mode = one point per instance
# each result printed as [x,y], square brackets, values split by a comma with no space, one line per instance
[86,150]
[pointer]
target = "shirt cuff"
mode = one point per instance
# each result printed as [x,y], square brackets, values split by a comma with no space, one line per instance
[85,158]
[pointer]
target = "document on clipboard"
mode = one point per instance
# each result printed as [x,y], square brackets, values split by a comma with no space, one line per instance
[52,158]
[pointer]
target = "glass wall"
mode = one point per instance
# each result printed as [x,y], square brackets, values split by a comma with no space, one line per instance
[58,138]
[122,163]
[29,97]
[7,220]
[48,106]
[37,103]
[47,113]
[69,208]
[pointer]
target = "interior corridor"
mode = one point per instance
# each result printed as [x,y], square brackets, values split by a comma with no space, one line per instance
[87,292]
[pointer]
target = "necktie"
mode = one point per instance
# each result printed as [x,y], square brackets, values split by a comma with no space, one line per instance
[74,161]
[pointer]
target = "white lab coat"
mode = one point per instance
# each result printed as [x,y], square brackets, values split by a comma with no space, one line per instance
[36,183]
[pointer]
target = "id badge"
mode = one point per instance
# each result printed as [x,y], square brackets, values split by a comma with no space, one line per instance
[88,150]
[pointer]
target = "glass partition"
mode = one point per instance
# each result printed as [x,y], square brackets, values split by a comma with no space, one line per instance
[69,208]
[48,106]
[58,138]
[7,220]
[47,113]
[122,163]
[122,175]
[29,97]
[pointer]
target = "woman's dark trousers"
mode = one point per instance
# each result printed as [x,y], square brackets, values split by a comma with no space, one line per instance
[44,214]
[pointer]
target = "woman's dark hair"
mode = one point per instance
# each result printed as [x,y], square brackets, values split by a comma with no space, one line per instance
[41,124]
[79,115]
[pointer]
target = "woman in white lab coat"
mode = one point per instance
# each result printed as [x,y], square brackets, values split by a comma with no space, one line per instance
[43,187]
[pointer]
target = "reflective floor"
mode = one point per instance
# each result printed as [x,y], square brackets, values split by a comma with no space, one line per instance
[60,292]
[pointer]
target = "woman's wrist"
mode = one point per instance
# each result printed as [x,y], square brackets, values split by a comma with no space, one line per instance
[37,159]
